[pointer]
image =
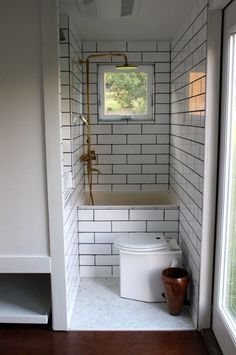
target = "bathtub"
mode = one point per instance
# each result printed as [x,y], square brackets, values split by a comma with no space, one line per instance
[116,213]
[123,198]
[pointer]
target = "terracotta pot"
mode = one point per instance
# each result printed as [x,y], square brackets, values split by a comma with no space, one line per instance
[175,282]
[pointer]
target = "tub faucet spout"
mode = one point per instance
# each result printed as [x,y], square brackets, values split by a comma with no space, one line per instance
[96,171]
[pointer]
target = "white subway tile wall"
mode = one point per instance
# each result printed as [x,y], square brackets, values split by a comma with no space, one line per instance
[72,148]
[187,134]
[97,254]
[124,149]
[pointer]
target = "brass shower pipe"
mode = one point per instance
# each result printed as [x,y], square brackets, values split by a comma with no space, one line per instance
[91,155]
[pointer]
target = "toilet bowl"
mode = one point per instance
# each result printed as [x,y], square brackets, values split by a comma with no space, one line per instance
[142,259]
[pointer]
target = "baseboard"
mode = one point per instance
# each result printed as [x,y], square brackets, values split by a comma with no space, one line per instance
[211,342]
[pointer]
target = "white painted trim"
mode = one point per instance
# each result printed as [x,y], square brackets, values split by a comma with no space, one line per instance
[222,325]
[25,264]
[72,303]
[222,333]
[49,13]
[210,167]
[218,4]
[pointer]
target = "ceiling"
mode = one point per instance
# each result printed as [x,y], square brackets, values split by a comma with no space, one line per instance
[151,19]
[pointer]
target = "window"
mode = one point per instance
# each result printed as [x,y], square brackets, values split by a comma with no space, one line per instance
[125,94]
[197,89]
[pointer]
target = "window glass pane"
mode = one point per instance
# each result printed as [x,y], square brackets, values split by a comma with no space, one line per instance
[125,93]
[231,265]
[229,274]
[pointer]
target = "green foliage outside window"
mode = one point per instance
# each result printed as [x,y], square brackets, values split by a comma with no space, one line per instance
[125,93]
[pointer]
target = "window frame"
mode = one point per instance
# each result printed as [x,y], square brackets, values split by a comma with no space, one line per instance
[111,68]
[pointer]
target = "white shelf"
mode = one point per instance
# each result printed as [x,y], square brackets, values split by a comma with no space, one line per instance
[25,264]
[24,298]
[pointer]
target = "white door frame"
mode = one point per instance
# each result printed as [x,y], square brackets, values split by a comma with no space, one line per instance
[215,12]
[220,324]
[53,161]
[51,106]
[210,167]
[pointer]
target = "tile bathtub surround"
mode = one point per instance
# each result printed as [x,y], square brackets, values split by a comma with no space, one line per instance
[188,77]
[98,228]
[72,148]
[132,155]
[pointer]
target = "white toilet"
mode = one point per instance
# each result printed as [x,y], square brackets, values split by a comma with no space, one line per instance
[142,259]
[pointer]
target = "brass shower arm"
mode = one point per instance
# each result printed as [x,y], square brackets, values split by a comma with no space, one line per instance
[102,55]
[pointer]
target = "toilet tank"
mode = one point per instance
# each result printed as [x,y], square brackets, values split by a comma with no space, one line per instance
[140,273]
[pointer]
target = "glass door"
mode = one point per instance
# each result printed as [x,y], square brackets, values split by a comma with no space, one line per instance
[224,307]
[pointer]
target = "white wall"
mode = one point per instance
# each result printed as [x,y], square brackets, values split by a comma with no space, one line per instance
[23,206]
[30,183]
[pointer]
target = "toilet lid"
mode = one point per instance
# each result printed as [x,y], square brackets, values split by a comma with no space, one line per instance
[141,242]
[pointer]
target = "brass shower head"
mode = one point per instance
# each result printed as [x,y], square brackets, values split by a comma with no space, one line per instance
[127,67]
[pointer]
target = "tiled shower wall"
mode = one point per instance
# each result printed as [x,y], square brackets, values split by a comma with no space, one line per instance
[98,228]
[72,147]
[188,73]
[132,155]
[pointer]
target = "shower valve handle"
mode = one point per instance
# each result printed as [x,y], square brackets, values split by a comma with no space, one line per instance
[84,157]
[88,157]
[93,155]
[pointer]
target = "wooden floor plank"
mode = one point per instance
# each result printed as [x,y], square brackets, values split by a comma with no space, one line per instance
[23,340]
